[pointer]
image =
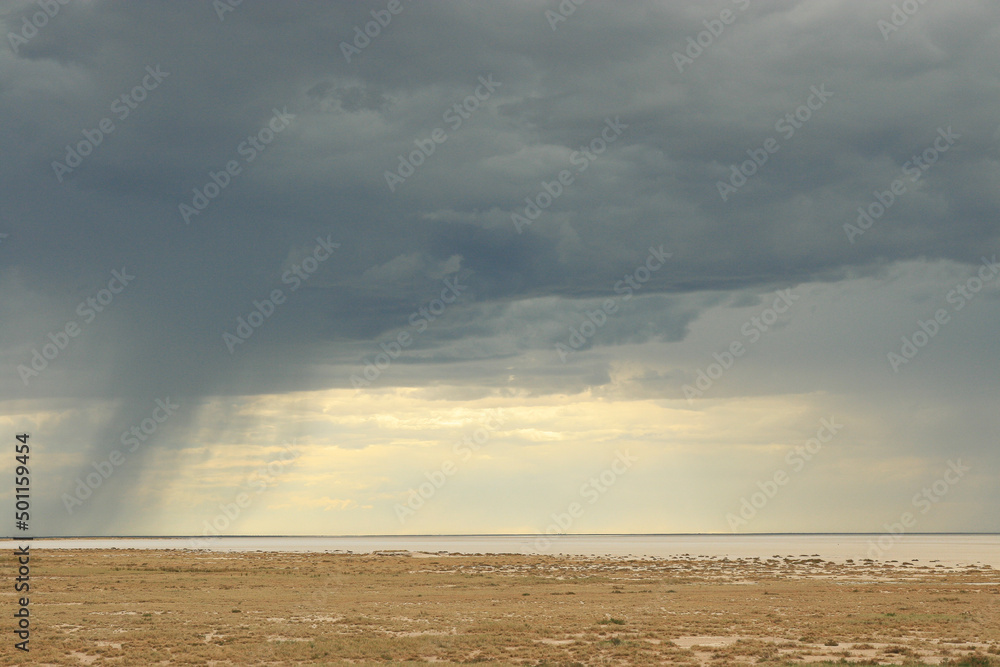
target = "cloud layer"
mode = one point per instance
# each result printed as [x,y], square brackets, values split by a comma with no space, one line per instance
[454,211]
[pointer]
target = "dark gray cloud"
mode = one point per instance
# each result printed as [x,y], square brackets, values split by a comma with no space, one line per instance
[323,176]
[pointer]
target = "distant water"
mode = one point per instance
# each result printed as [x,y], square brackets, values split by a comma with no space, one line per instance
[949,549]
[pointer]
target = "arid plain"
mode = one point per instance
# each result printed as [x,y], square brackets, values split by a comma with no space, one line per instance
[139,607]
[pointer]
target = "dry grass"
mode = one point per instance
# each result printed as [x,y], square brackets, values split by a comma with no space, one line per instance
[125,607]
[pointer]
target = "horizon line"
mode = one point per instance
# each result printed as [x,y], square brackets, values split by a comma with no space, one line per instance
[416,535]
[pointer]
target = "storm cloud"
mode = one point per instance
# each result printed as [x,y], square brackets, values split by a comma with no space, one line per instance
[452,205]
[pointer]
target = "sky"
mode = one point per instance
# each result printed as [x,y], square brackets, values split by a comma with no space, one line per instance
[395,267]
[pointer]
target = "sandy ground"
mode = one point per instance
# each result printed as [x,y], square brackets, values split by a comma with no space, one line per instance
[131,607]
